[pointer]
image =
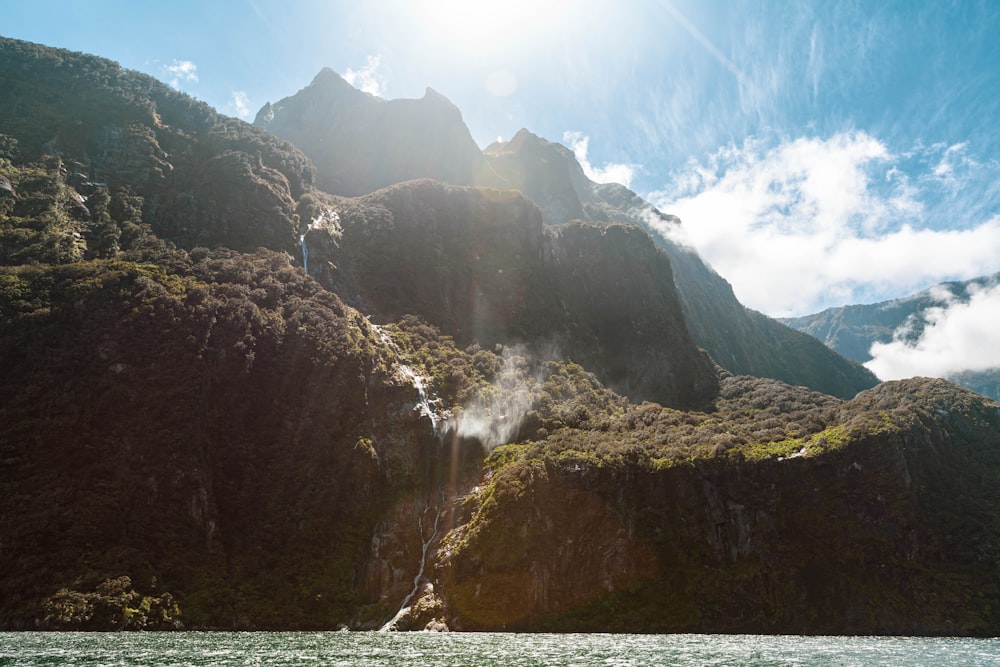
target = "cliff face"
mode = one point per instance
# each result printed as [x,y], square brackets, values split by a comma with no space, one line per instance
[479,265]
[199,429]
[853,529]
[738,339]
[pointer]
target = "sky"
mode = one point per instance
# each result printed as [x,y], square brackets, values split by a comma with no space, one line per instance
[818,153]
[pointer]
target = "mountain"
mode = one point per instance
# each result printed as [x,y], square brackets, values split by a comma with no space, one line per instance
[413,423]
[336,121]
[851,330]
[322,119]
[479,265]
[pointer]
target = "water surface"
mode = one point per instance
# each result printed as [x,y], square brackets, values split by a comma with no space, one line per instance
[483,649]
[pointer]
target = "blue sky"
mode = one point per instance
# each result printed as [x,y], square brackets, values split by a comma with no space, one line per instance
[819,153]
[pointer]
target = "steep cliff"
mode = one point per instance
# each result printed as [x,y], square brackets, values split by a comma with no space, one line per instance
[480,265]
[876,515]
[740,340]
[199,429]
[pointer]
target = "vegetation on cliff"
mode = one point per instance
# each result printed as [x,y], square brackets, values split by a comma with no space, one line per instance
[876,515]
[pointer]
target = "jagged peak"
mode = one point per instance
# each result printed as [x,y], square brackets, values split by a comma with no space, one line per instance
[326,75]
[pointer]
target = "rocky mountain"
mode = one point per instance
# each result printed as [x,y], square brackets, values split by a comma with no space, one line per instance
[851,330]
[480,265]
[414,423]
[336,121]
[323,121]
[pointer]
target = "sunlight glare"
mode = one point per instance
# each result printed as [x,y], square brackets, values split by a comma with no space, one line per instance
[488,26]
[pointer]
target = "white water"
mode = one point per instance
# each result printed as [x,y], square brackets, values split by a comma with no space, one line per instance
[305,253]
[427,406]
[425,545]
[328,220]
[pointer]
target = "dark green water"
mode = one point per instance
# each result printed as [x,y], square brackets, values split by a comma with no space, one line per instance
[478,650]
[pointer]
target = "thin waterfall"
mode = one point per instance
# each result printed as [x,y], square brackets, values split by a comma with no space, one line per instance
[328,220]
[425,404]
[425,545]
[305,253]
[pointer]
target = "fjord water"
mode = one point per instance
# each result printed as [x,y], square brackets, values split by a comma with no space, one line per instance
[364,649]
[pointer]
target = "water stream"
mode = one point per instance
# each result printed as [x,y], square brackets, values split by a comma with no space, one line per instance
[427,406]
[425,545]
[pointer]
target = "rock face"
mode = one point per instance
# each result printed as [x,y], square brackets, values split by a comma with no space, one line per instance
[738,339]
[851,330]
[423,138]
[480,265]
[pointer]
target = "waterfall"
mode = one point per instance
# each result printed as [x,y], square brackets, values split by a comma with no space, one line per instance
[328,220]
[424,404]
[305,253]
[425,545]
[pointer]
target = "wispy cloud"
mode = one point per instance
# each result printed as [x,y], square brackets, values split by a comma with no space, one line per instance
[181,71]
[610,173]
[957,336]
[811,222]
[368,78]
[240,105]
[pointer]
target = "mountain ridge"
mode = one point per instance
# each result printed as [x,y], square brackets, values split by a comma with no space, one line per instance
[852,330]
[549,175]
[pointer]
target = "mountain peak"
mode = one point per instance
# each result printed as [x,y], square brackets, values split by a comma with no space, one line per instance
[327,75]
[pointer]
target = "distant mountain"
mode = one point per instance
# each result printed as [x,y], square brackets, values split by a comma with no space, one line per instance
[231,400]
[324,121]
[851,330]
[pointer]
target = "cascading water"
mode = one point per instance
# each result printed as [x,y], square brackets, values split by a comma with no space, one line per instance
[425,545]
[328,220]
[305,253]
[426,405]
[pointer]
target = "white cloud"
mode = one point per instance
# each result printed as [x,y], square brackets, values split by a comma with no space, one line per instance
[368,78]
[181,71]
[814,222]
[609,173]
[240,105]
[958,336]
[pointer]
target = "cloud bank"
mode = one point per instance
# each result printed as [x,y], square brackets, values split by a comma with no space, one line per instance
[800,225]
[957,336]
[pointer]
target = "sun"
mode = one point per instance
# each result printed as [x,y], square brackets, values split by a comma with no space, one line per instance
[493,27]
